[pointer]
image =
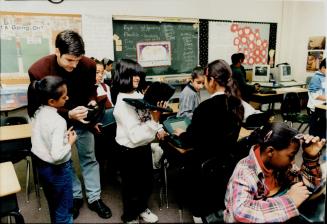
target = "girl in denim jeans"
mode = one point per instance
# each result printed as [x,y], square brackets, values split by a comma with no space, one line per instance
[51,145]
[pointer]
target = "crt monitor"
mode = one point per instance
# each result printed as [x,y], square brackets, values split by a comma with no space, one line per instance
[261,73]
[283,73]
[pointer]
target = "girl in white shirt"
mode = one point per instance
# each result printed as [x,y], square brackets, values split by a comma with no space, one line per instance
[136,129]
[51,145]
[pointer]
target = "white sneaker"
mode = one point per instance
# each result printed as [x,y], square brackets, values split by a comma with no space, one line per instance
[135,221]
[197,219]
[148,216]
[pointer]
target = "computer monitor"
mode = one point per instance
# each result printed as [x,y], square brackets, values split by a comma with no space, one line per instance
[260,73]
[283,73]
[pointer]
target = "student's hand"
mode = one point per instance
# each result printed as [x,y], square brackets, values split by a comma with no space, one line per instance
[161,134]
[298,193]
[178,131]
[312,145]
[78,113]
[92,103]
[162,104]
[97,128]
[72,136]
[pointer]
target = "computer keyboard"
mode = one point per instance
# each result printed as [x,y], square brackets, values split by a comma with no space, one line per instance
[290,83]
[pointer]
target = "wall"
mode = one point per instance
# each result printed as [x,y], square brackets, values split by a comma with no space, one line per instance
[301,21]
[290,17]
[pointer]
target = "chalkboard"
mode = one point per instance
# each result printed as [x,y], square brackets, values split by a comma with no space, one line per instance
[183,38]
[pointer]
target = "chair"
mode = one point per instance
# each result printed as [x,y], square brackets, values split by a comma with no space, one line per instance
[291,111]
[257,120]
[17,149]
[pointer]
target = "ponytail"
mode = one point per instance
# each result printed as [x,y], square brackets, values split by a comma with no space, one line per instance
[221,72]
[33,99]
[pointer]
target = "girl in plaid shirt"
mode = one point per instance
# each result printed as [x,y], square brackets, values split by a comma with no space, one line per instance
[267,186]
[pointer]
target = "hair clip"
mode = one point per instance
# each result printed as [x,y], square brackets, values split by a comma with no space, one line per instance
[299,136]
[267,137]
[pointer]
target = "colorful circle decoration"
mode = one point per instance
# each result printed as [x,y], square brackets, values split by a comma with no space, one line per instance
[249,42]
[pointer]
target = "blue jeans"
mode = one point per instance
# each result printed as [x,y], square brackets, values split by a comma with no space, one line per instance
[89,166]
[57,185]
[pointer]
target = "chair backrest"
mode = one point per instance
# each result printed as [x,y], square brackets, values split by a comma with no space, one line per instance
[257,120]
[291,104]
[5,121]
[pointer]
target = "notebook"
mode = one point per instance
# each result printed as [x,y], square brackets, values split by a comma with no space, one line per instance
[171,123]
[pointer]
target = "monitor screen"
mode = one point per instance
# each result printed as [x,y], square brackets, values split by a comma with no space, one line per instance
[285,73]
[260,73]
[286,70]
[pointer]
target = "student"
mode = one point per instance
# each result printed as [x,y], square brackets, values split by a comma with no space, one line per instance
[240,78]
[317,95]
[103,90]
[107,76]
[52,144]
[189,98]
[224,112]
[267,186]
[78,71]
[136,129]
[242,57]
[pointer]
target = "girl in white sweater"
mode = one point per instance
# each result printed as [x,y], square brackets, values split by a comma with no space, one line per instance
[51,145]
[136,129]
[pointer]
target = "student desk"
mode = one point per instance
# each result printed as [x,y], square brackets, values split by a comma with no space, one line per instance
[243,133]
[12,132]
[278,96]
[9,186]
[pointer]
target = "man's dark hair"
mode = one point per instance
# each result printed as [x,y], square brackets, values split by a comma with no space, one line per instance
[241,56]
[235,58]
[70,42]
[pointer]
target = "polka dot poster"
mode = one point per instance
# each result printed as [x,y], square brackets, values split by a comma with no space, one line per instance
[253,39]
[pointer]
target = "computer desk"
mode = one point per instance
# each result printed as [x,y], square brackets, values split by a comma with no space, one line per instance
[280,84]
[273,98]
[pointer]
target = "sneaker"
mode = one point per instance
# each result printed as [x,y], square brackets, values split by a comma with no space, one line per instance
[99,207]
[148,216]
[197,219]
[135,221]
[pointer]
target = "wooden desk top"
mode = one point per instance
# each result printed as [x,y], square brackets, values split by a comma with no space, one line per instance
[8,179]
[321,106]
[281,91]
[244,133]
[291,89]
[15,132]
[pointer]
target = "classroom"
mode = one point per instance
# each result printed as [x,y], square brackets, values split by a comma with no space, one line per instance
[179,35]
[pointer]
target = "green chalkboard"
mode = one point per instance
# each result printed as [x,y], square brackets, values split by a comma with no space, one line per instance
[183,38]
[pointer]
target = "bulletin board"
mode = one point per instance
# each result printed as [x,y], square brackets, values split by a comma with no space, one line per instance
[171,43]
[26,37]
[222,38]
